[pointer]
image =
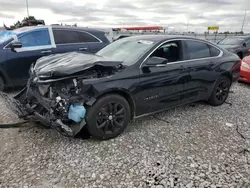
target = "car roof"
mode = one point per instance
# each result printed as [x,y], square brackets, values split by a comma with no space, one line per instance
[30,28]
[25,29]
[76,28]
[159,38]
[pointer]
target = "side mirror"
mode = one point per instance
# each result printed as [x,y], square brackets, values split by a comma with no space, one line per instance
[154,61]
[244,44]
[14,45]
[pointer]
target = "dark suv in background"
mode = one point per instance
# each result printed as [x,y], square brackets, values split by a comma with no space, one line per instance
[22,47]
[237,44]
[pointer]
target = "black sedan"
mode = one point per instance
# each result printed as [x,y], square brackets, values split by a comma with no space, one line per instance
[129,78]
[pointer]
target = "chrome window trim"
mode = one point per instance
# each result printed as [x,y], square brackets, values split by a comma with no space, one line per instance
[182,39]
[78,43]
[100,41]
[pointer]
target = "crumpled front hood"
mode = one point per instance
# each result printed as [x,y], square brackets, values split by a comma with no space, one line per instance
[60,65]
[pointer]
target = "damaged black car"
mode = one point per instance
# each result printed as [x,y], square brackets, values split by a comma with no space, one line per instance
[129,78]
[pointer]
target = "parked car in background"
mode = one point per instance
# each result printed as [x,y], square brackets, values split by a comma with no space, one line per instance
[238,45]
[21,47]
[129,78]
[245,69]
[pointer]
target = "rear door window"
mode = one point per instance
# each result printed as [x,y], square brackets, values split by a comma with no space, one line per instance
[85,37]
[66,37]
[197,50]
[36,38]
[214,51]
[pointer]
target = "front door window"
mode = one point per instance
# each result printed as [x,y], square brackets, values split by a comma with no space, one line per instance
[169,51]
[36,38]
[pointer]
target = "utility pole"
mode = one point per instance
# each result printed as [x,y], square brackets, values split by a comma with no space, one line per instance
[27,6]
[244,21]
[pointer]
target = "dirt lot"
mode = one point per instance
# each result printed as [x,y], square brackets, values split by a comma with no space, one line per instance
[190,146]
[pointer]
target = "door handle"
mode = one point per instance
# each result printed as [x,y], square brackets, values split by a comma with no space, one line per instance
[83,49]
[46,52]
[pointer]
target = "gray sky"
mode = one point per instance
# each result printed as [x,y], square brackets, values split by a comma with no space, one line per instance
[228,14]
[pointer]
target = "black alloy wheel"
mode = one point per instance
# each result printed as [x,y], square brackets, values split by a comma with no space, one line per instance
[108,117]
[220,91]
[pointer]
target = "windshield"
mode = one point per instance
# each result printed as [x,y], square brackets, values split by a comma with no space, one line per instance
[127,50]
[5,36]
[231,41]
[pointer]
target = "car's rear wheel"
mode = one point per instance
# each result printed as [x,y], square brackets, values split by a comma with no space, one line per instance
[1,84]
[220,91]
[108,117]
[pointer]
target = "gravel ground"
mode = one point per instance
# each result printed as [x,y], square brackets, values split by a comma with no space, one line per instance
[190,146]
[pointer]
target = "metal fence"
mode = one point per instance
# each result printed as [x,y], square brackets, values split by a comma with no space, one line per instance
[210,37]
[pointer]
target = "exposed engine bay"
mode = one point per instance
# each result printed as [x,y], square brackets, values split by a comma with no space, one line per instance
[50,103]
[61,102]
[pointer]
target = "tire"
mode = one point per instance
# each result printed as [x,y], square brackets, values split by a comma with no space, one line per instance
[220,91]
[240,54]
[108,117]
[1,84]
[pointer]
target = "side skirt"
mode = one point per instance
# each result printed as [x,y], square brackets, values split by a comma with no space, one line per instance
[164,109]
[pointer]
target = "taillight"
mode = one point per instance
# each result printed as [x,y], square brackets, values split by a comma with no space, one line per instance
[236,67]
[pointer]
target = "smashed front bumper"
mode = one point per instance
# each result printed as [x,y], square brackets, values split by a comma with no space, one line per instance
[20,104]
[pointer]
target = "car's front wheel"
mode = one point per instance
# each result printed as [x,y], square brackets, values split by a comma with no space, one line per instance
[220,91]
[108,117]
